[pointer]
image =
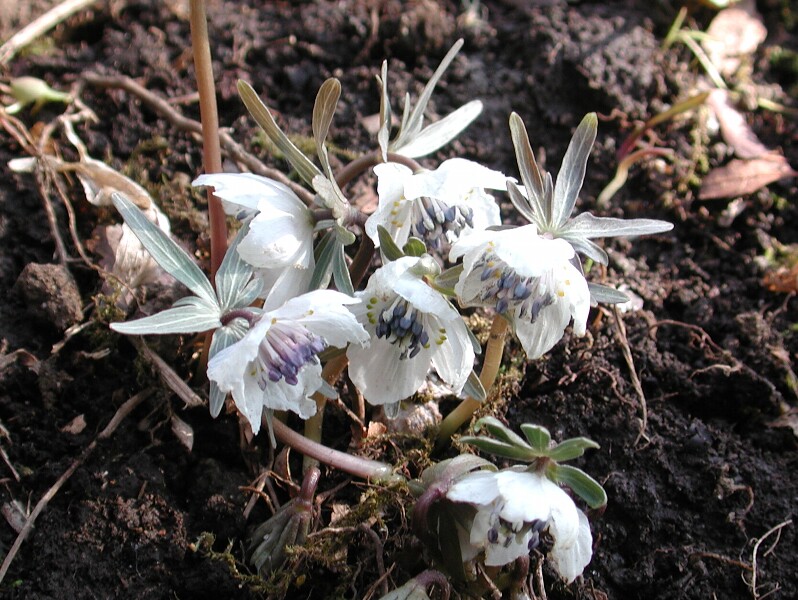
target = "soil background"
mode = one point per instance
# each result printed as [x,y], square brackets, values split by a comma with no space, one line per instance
[714,470]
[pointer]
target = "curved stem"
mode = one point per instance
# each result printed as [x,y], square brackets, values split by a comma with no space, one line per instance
[209,117]
[360,164]
[330,373]
[372,470]
[490,369]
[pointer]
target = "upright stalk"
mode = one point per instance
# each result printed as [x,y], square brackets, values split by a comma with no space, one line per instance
[330,373]
[209,117]
[490,369]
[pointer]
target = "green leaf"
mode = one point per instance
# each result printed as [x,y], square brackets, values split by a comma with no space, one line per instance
[388,247]
[531,176]
[192,316]
[497,448]
[303,165]
[572,171]
[233,274]
[500,431]
[572,448]
[323,113]
[606,294]
[163,249]
[414,247]
[340,271]
[325,250]
[582,484]
[539,437]
[474,389]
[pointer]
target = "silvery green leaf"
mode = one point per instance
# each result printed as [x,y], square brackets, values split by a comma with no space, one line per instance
[588,226]
[475,345]
[325,250]
[500,431]
[474,389]
[605,294]
[222,338]
[324,110]
[441,132]
[233,274]
[249,294]
[531,176]
[388,247]
[537,436]
[303,165]
[572,448]
[416,119]
[582,484]
[331,195]
[340,271]
[384,133]
[189,315]
[414,247]
[587,247]
[171,257]
[343,235]
[572,171]
[523,204]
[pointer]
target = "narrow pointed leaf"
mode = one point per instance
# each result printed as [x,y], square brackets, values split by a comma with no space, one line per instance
[523,204]
[416,119]
[388,247]
[163,249]
[233,273]
[582,484]
[384,134]
[324,110]
[539,437]
[474,389]
[570,449]
[589,226]
[528,166]
[440,133]
[500,431]
[340,271]
[572,171]
[449,278]
[325,250]
[187,318]
[303,165]
[499,448]
[606,295]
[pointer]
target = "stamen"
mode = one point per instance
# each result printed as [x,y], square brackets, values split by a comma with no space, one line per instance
[403,325]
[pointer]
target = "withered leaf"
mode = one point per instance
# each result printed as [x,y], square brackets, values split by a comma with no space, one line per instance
[741,177]
[734,33]
[735,131]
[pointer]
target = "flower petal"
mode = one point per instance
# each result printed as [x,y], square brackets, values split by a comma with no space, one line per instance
[570,560]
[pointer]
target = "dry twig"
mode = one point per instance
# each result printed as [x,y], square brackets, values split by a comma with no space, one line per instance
[627,355]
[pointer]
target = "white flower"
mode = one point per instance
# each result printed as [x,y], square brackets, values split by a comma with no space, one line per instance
[529,279]
[513,507]
[276,365]
[434,206]
[280,239]
[413,328]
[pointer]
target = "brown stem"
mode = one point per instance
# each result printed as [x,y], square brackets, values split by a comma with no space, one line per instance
[209,117]
[330,373]
[490,369]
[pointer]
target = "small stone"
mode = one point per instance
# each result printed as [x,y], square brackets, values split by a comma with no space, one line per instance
[51,294]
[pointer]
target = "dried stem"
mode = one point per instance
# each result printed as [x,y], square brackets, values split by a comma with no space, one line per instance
[211,150]
[490,369]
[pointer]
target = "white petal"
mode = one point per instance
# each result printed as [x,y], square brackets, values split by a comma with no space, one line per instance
[453,180]
[394,216]
[284,396]
[278,239]
[391,178]
[569,560]
[454,358]
[480,488]
[527,253]
[382,376]
[526,496]
[539,337]
[280,285]
[248,190]
[423,297]
[486,212]
[500,554]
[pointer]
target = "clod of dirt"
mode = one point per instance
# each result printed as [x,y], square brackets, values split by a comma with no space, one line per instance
[51,294]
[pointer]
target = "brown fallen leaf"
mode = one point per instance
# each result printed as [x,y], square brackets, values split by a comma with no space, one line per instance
[75,426]
[740,177]
[735,32]
[735,131]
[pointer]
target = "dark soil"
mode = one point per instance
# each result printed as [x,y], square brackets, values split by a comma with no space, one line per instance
[689,497]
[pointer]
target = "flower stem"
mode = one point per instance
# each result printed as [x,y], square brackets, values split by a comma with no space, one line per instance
[490,369]
[377,472]
[209,117]
[330,373]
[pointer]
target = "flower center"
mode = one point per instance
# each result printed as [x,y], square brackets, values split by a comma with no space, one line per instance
[505,289]
[431,218]
[286,348]
[505,533]
[403,325]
